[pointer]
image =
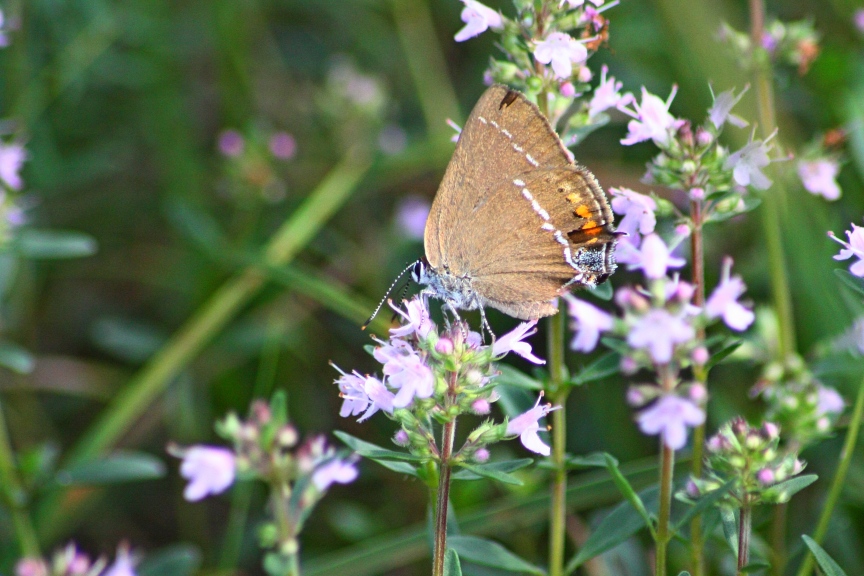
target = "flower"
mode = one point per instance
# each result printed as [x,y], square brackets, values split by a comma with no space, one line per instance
[512,342]
[829,401]
[31,567]
[12,157]
[638,210]
[411,215]
[4,38]
[283,145]
[209,469]
[478,18]
[354,390]
[417,317]
[855,247]
[858,20]
[406,371]
[724,301]
[124,564]
[588,322]
[654,258]
[336,470]
[747,163]
[526,427]
[669,417]
[578,3]
[820,177]
[721,111]
[562,51]
[231,143]
[652,120]
[606,95]
[659,331]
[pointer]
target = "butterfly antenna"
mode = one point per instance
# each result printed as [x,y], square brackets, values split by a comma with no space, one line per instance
[386,294]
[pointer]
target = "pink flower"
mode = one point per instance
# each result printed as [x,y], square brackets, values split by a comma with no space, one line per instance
[124,564]
[568,90]
[829,402]
[588,322]
[820,177]
[411,215]
[512,342]
[408,373]
[607,95]
[336,470]
[478,18]
[416,318]
[638,210]
[855,247]
[526,427]
[724,300]
[747,163]
[721,111]
[765,476]
[12,158]
[659,332]
[353,389]
[283,145]
[670,416]
[858,20]
[562,51]
[209,469]
[231,143]
[652,120]
[481,406]
[31,567]
[578,3]
[653,258]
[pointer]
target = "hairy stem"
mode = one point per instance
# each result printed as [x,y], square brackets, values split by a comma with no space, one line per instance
[744,529]
[447,436]
[14,497]
[288,547]
[558,395]
[667,466]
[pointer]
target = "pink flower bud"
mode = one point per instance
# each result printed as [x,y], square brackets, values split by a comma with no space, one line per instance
[692,489]
[261,411]
[444,345]
[401,438]
[629,365]
[584,74]
[701,355]
[480,406]
[697,193]
[682,230]
[481,455]
[703,138]
[635,397]
[698,393]
[765,476]
[771,430]
[567,90]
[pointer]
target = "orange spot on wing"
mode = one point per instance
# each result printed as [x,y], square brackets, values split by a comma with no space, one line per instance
[584,212]
[589,225]
[592,230]
[572,197]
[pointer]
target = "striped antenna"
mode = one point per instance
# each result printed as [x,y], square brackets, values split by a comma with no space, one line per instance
[386,294]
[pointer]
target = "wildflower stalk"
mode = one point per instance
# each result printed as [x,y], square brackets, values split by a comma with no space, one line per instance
[447,436]
[744,530]
[287,544]
[839,479]
[667,465]
[13,496]
[558,395]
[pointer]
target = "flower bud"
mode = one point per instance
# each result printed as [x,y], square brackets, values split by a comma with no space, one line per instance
[567,90]
[401,438]
[698,393]
[765,476]
[481,455]
[628,365]
[691,489]
[480,406]
[701,355]
[703,137]
[287,436]
[697,193]
[444,346]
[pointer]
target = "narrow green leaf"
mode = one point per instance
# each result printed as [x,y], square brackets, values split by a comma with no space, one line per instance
[111,469]
[627,491]
[602,291]
[452,567]
[723,353]
[755,567]
[703,504]
[685,573]
[178,560]
[593,460]
[489,553]
[505,466]
[826,563]
[491,473]
[517,378]
[399,467]
[16,358]
[34,243]
[730,528]
[608,364]
[783,491]
[849,280]
[369,450]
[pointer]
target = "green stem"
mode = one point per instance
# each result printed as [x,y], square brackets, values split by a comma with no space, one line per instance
[667,466]
[288,546]
[14,496]
[558,393]
[744,529]
[839,479]
[447,436]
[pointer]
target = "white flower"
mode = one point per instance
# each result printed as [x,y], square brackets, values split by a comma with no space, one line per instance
[607,95]
[721,111]
[651,119]
[209,469]
[747,164]
[478,18]
[562,51]
[819,177]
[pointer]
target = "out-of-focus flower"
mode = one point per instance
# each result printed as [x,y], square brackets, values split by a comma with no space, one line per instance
[209,469]
[858,20]
[478,18]
[819,177]
[124,564]
[411,215]
[336,470]
[231,143]
[512,342]
[659,331]
[568,90]
[829,402]
[669,417]
[526,426]
[562,51]
[638,210]
[653,258]
[724,301]
[4,37]
[855,247]
[651,119]
[578,3]
[31,567]
[416,317]
[588,322]
[721,111]
[747,163]
[12,157]
[283,145]
[392,139]
[607,94]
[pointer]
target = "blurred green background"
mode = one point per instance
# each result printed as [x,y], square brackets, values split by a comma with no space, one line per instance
[122,105]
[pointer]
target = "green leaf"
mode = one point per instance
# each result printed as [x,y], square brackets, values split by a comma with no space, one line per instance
[608,364]
[178,560]
[16,358]
[723,353]
[602,291]
[33,243]
[703,504]
[826,563]
[730,528]
[593,460]
[492,473]
[517,378]
[783,491]
[452,567]
[755,567]
[369,450]
[505,466]
[399,467]
[685,573]
[851,281]
[627,491]
[489,553]
[112,469]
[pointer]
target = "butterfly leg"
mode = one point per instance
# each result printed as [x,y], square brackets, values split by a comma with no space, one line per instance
[484,324]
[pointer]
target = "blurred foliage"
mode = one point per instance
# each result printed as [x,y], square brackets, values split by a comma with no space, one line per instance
[122,104]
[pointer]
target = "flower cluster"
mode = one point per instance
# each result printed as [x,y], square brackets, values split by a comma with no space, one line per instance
[431,375]
[854,247]
[791,43]
[749,458]
[70,561]
[250,168]
[12,157]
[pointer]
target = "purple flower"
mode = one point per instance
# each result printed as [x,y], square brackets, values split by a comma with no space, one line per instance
[858,20]
[724,300]
[416,318]
[379,396]
[283,145]
[478,18]
[607,95]
[4,38]
[638,210]
[562,51]
[526,427]
[31,567]
[747,163]
[12,158]
[588,322]
[578,3]
[659,331]
[855,247]
[653,258]
[721,111]
[652,120]
[336,470]
[670,416]
[765,476]
[411,215]
[355,398]
[829,401]
[405,371]
[231,143]
[209,469]
[124,564]
[512,342]
[820,177]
